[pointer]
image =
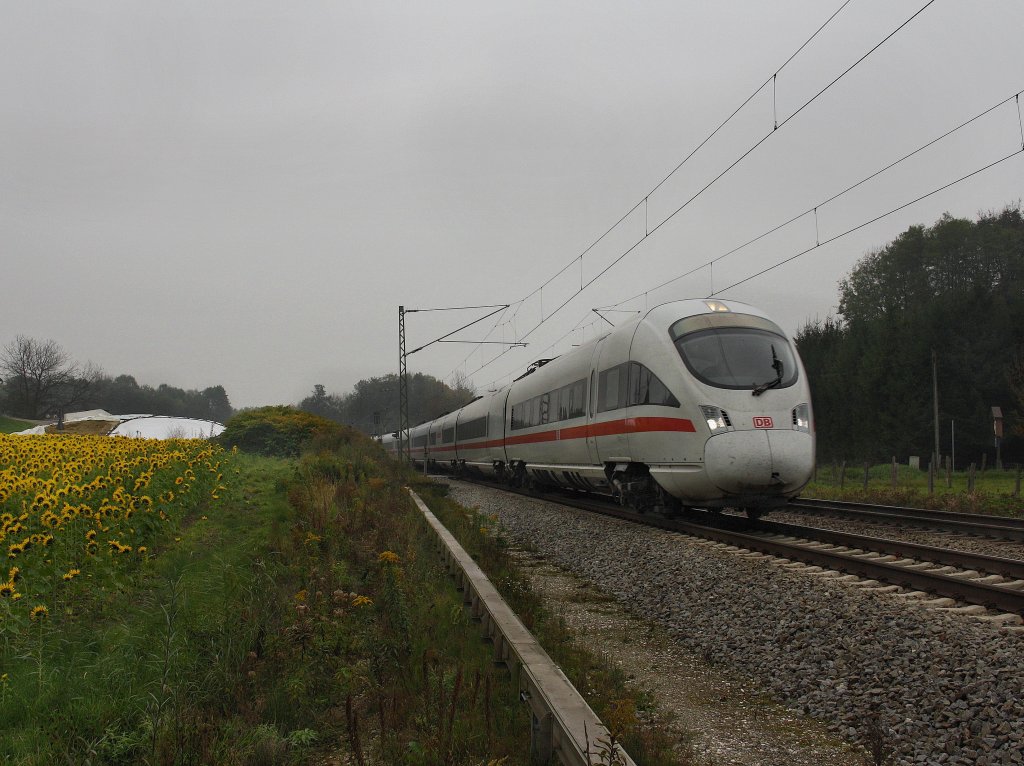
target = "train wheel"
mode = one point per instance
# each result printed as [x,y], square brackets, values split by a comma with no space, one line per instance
[753,513]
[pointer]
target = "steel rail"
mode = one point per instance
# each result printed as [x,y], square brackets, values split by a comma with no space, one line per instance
[1012,568]
[968,523]
[954,586]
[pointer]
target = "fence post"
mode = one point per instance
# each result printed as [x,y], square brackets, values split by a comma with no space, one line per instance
[931,476]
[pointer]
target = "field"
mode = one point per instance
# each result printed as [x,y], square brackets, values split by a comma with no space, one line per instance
[996,492]
[81,521]
[10,425]
[175,602]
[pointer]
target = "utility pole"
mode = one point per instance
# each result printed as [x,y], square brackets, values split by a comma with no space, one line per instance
[403,391]
[404,441]
[935,403]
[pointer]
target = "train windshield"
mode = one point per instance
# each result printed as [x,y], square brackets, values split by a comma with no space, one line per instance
[741,352]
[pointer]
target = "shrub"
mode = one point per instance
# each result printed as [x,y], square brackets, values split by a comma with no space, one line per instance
[281,431]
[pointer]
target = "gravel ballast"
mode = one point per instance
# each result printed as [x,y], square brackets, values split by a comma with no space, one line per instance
[942,688]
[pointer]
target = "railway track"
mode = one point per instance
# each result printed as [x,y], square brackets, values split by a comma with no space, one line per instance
[998,527]
[988,581]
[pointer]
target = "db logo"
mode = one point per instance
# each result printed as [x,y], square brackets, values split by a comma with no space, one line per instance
[763,423]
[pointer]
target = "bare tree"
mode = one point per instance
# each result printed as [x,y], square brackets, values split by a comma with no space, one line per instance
[41,377]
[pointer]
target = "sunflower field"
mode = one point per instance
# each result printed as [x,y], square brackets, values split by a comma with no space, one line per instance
[76,511]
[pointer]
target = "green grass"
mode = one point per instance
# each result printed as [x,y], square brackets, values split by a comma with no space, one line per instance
[12,425]
[271,631]
[995,491]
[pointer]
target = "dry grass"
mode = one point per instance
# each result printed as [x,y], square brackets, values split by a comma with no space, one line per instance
[86,427]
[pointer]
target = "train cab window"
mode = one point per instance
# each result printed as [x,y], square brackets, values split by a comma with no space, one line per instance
[747,353]
[646,388]
[612,388]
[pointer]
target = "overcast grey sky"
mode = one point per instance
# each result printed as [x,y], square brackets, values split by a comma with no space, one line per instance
[242,193]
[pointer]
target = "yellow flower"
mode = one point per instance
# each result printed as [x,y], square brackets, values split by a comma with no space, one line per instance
[39,613]
[388,557]
[71,574]
[301,595]
[362,601]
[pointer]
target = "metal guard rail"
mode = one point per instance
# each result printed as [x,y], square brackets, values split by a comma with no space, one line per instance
[562,723]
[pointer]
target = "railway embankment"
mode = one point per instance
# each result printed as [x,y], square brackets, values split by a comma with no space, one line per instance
[921,685]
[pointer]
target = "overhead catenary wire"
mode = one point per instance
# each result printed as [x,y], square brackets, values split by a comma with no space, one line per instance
[730,167]
[821,204]
[645,199]
[933,192]
[468,324]
[847,232]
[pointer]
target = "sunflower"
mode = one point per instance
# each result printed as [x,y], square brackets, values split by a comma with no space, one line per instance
[39,612]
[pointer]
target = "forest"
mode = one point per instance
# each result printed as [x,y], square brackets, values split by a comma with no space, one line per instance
[952,292]
[372,405]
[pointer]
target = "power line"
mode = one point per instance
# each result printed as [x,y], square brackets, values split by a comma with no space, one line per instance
[721,174]
[644,200]
[821,204]
[873,220]
[819,244]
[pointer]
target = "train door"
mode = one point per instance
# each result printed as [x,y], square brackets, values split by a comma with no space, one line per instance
[610,382]
[595,458]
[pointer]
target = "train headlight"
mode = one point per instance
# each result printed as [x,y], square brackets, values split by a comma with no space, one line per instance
[802,418]
[716,418]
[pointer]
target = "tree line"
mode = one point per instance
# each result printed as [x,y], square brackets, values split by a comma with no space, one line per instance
[39,379]
[372,405]
[952,292]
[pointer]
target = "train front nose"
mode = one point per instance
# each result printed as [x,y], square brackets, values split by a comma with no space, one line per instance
[759,462]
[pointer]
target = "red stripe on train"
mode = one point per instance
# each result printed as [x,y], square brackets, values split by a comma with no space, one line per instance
[608,428]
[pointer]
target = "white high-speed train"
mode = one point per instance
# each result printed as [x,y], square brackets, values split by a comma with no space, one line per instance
[701,403]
